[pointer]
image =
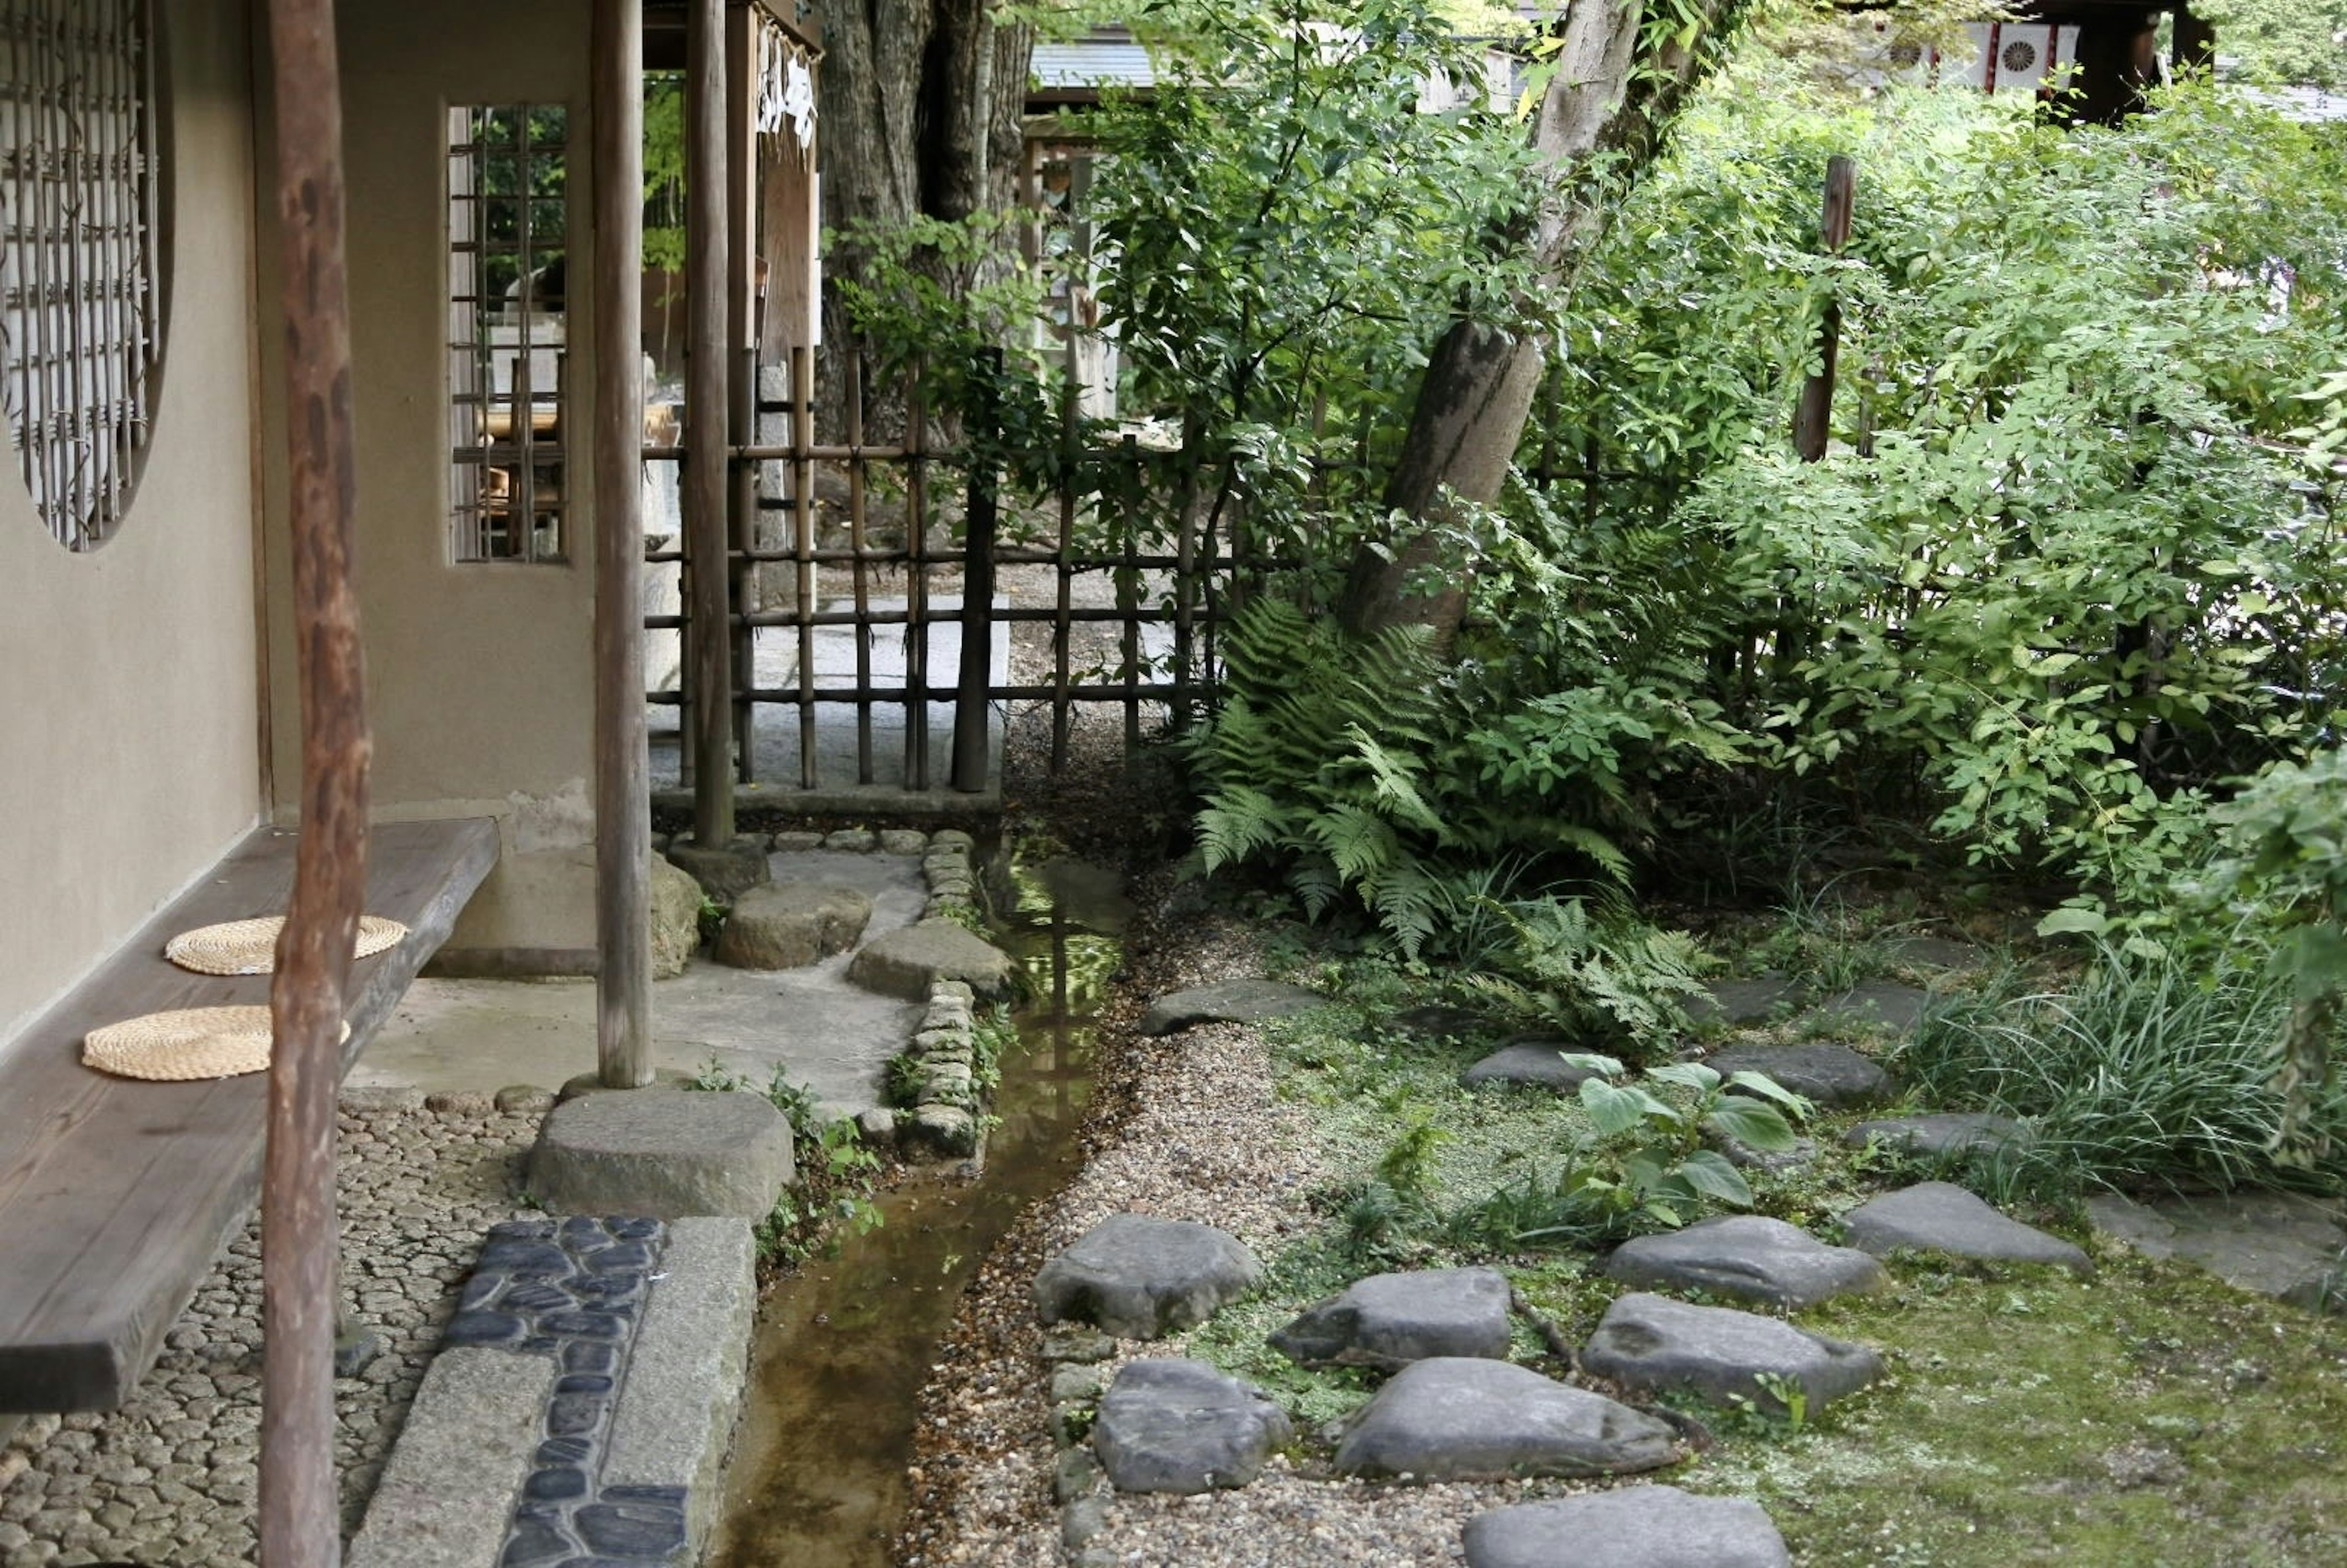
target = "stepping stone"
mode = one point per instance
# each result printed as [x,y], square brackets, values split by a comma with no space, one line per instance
[1939,1216]
[1748,1256]
[1828,1075]
[726,872]
[1392,1319]
[1228,1001]
[789,925]
[663,1155]
[1534,1060]
[1630,1527]
[1744,1157]
[1651,1344]
[1938,953]
[1142,1278]
[2283,1244]
[1744,1001]
[1881,1004]
[907,961]
[1938,1135]
[1440,1023]
[1184,1426]
[1465,1419]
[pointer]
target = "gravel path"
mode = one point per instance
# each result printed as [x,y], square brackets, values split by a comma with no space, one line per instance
[170,1480]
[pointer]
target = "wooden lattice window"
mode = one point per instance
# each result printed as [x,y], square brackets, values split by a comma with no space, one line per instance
[508,398]
[81,306]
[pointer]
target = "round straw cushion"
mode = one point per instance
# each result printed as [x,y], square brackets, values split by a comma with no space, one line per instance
[250,947]
[188,1043]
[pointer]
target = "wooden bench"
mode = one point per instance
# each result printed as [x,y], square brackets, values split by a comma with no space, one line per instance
[116,1196]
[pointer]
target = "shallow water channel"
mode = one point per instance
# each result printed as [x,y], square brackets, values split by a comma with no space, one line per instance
[841,1350]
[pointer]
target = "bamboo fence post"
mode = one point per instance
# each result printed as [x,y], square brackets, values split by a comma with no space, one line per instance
[623,828]
[299,1516]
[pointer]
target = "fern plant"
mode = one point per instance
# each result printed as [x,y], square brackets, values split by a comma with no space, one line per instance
[1591,969]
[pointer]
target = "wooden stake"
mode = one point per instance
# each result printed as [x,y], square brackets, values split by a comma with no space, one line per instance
[707,439]
[1813,420]
[299,1517]
[623,829]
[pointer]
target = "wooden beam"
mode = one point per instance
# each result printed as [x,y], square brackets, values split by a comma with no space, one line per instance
[707,436]
[299,1518]
[623,829]
[1813,420]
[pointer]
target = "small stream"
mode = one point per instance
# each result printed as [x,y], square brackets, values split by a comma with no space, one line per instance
[841,1350]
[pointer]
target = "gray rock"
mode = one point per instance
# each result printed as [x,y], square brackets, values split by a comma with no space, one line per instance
[1082,1520]
[797,842]
[1392,1319]
[1228,1001]
[1878,1004]
[1076,1342]
[1075,1474]
[725,873]
[945,1128]
[1630,1527]
[662,1156]
[1459,1417]
[789,925]
[952,838]
[907,961]
[1140,1277]
[524,1100]
[1938,1135]
[1744,1001]
[876,1126]
[2283,1244]
[1748,1256]
[1183,1426]
[676,917]
[367,1098]
[903,841]
[460,1102]
[1939,1216]
[1828,1075]
[1743,1156]
[853,840]
[1537,1061]
[1653,1344]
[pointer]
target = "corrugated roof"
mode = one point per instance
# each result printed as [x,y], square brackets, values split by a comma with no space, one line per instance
[1108,56]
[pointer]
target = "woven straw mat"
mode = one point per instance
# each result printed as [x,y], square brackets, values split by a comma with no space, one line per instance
[250,947]
[188,1043]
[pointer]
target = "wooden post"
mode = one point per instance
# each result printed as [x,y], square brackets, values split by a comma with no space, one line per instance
[1813,420]
[741,352]
[707,438]
[299,1515]
[623,829]
[972,744]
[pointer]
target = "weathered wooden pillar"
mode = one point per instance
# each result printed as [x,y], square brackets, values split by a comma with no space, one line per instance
[707,436]
[1813,420]
[299,1516]
[740,350]
[623,975]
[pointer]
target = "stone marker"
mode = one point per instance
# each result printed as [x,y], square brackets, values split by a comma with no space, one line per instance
[1184,1426]
[1748,1255]
[1631,1527]
[1884,1004]
[1939,1216]
[907,961]
[1140,1277]
[726,872]
[675,916]
[662,1156]
[1458,1417]
[1937,1134]
[1827,1074]
[788,925]
[1653,1344]
[1392,1319]
[1744,1001]
[1537,1061]
[1228,1001]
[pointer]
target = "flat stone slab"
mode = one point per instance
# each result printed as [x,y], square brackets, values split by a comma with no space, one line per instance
[458,1470]
[1536,1061]
[1755,1001]
[663,1155]
[1879,1004]
[1747,1255]
[1389,1320]
[1184,1426]
[1458,1417]
[1653,1344]
[725,872]
[1228,1001]
[2282,1244]
[1939,1216]
[1142,1278]
[1827,1074]
[790,925]
[907,961]
[1630,1527]
[1937,1134]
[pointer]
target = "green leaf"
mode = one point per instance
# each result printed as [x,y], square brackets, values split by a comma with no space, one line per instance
[1692,1075]
[1708,1173]
[1760,1084]
[1615,1110]
[2074,921]
[1752,1125]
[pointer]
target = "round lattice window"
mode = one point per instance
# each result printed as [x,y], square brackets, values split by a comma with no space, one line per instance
[2018,56]
[81,221]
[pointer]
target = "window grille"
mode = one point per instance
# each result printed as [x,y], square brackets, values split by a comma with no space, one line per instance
[80,309]
[508,400]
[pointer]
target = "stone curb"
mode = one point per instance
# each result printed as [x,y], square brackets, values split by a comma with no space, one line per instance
[937,1077]
[1072,1353]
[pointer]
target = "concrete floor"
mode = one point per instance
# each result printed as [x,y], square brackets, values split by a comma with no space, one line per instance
[821,1032]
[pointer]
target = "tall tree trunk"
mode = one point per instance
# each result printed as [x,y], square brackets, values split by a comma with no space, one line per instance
[1601,121]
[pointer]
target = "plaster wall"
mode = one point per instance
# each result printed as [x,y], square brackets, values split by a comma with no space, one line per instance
[129,746]
[479,677]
